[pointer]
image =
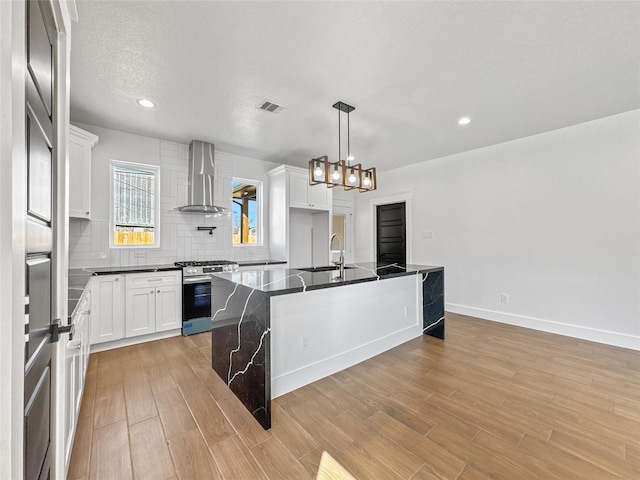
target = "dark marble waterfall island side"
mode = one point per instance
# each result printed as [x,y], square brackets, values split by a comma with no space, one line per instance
[241,319]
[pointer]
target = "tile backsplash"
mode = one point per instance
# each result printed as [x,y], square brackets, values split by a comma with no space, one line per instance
[179,237]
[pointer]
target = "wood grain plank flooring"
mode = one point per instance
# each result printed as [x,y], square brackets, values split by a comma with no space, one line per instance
[491,401]
[192,458]
[175,415]
[109,405]
[149,453]
[110,454]
[235,460]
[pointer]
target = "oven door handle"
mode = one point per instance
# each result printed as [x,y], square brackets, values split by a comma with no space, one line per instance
[205,278]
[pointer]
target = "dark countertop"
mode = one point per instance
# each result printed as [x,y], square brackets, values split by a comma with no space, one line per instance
[132,269]
[284,281]
[251,263]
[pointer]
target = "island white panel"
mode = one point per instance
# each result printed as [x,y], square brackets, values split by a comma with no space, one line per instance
[344,326]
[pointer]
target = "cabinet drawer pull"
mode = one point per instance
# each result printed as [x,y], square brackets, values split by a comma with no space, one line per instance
[154,279]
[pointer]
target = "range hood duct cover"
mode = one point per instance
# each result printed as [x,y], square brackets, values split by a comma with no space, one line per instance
[201,180]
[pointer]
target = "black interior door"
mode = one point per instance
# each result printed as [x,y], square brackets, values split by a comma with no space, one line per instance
[39,241]
[391,242]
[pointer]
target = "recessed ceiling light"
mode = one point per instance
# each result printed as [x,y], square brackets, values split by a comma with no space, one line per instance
[143,102]
[464,121]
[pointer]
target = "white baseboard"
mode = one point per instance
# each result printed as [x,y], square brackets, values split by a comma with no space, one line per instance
[327,366]
[125,342]
[575,331]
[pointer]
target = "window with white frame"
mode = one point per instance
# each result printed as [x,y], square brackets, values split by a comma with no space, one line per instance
[246,212]
[134,205]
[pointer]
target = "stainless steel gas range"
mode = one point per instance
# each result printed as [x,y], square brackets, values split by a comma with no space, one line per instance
[196,292]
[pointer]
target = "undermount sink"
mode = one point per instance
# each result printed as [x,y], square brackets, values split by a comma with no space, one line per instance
[328,268]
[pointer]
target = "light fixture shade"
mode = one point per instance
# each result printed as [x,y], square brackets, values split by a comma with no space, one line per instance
[352,175]
[336,174]
[341,172]
[318,170]
[321,170]
[369,180]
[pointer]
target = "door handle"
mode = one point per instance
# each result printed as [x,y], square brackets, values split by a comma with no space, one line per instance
[57,329]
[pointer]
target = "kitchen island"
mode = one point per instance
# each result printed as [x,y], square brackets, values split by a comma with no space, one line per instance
[277,330]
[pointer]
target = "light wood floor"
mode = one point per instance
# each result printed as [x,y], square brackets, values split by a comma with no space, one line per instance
[491,401]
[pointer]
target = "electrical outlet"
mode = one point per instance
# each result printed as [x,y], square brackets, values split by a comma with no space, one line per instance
[304,343]
[504,298]
[406,310]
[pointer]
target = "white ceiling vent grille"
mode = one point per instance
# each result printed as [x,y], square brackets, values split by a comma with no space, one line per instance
[271,107]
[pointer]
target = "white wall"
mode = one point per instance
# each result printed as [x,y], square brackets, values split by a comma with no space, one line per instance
[180,240]
[552,220]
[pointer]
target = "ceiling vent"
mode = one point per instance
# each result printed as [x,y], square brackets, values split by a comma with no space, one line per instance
[271,107]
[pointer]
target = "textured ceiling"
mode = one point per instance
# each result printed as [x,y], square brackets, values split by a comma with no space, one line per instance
[411,69]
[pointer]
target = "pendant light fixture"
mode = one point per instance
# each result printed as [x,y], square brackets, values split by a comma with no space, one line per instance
[342,172]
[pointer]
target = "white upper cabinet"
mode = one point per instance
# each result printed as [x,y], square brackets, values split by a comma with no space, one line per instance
[303,195]
[80,144]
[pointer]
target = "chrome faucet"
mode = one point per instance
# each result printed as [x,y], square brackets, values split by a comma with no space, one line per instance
[340,261]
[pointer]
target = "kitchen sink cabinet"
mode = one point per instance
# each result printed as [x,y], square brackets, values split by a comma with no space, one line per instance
[80,144]
[107,307]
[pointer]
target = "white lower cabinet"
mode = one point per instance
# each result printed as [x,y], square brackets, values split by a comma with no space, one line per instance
[76,361]
[107,305]
[140,307]
[136,304]
[153,309]
[169,308]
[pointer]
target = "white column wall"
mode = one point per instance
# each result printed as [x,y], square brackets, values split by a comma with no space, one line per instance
[551,220]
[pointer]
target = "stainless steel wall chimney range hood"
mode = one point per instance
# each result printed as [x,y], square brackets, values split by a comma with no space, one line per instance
[201,180]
